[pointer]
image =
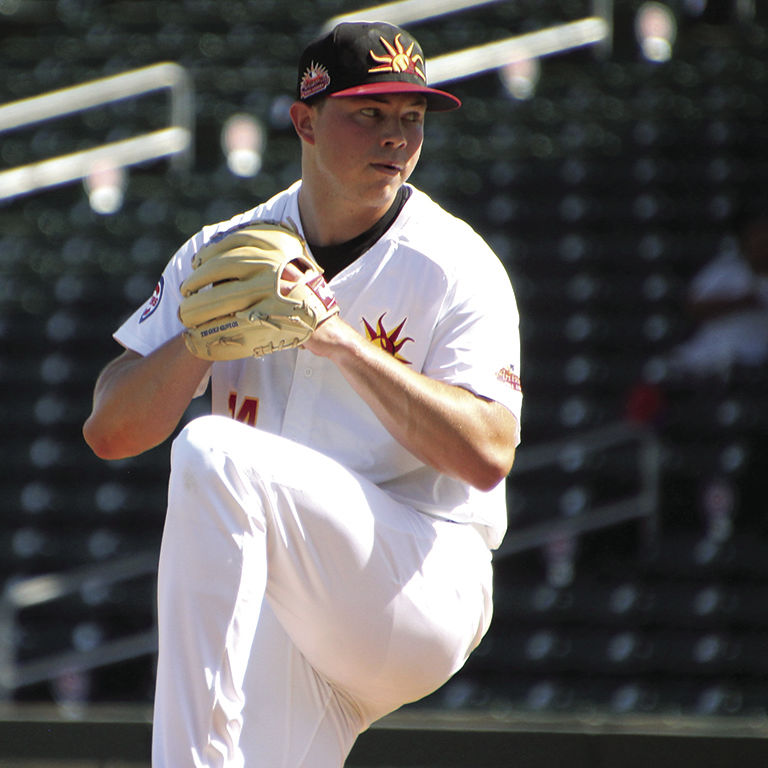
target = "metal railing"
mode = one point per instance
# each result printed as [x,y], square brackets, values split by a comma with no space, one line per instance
[642,504]
[593,30]
[174,141]
[39,590]
[403,12]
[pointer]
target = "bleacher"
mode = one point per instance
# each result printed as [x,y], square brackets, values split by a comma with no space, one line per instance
[603,195]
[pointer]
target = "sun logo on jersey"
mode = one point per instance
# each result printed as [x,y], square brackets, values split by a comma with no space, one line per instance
[388,341]
[399,59]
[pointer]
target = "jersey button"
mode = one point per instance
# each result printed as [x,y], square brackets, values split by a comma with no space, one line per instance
[307,372]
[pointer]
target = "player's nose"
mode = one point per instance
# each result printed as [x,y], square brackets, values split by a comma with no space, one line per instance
[393,132]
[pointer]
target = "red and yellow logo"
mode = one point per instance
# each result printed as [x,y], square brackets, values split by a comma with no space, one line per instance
[508,376]
[314,80]
[388,341]
[399,59]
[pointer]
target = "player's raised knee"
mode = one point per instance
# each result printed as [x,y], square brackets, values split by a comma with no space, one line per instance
[202,438]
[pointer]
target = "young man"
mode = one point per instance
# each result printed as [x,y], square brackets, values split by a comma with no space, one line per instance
[326,552]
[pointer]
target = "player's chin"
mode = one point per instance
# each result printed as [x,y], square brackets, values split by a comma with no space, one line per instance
[385,188]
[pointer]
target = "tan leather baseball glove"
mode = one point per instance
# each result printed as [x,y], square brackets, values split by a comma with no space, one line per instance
[253,290]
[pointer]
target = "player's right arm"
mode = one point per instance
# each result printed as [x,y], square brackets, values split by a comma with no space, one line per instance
[138,401]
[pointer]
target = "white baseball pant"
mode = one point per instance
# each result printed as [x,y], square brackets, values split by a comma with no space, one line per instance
[298,603]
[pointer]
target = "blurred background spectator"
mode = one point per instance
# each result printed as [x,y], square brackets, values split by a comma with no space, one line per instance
[728,302]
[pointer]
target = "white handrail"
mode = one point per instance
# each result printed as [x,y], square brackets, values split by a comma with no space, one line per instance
[38,590]
[65,168]
[406,11]
[105,90]
[596,30]
[543,42]
[174,141]
[45,588]
[643,503]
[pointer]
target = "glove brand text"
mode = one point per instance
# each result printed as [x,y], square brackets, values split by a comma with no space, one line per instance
[219,328]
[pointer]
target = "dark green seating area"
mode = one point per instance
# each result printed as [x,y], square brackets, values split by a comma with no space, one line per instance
[603,195]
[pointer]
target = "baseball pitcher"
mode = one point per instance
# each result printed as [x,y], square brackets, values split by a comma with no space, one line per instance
[326,556]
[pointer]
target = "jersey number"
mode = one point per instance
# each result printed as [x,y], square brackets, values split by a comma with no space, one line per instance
[248,412]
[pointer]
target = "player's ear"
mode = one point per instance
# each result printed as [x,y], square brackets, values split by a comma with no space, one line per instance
[303,119]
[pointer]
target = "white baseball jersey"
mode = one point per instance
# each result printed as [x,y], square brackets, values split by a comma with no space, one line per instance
[432,293]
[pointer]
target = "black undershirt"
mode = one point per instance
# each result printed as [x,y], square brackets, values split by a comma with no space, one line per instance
[334,258]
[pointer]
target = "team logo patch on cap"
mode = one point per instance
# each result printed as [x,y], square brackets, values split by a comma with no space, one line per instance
[314,80]
[399,59]
[154,301]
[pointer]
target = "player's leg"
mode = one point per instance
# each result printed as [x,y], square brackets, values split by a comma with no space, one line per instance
[205,581]
[215,626]
[381,605]
[384,601]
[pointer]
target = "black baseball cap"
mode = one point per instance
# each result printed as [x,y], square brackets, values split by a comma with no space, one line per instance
[363,58]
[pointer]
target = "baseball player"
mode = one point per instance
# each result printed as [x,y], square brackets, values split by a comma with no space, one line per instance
[326,556]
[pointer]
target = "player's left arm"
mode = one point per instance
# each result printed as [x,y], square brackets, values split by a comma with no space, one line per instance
[445,426]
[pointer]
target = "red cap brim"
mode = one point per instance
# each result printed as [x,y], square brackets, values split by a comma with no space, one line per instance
[437,101]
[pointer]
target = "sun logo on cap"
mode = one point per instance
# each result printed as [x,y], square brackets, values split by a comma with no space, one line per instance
[314,80]
[399,59]
[388,341]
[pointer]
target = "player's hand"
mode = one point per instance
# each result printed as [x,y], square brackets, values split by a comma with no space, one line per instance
[332,337]
[321,341]
[292,274]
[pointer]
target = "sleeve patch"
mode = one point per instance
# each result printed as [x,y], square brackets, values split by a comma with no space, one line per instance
[508,376]
[154,301]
